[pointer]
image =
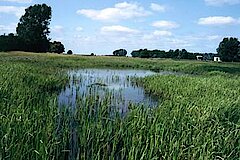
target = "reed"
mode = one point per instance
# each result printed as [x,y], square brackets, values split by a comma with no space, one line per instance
[198,117]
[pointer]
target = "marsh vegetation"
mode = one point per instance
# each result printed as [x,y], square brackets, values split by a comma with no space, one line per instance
[197,116]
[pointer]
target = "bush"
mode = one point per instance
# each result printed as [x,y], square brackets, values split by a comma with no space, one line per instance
[56,47]
[69,52]
[120,52]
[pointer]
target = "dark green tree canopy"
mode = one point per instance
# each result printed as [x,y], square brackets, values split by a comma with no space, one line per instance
[56,47]
[120,52]
[33,27]
[177,54]
[69,52]
[10,42]
[229,49]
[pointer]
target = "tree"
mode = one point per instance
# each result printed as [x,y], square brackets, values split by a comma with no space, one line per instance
[10,42]
[176,53]
[69,52]
[33,27]
[120,52]
[229,49]
[135,53]
[56,47]
[144,53]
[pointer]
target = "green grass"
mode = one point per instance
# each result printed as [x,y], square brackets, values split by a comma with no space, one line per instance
[198,118]
[201,115]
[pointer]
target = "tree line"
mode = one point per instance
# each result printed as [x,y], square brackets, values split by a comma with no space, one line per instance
[176,54]
[32,32]
[228,50]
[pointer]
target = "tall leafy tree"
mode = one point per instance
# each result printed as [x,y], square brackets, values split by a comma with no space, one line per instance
[229,49]
[33,27]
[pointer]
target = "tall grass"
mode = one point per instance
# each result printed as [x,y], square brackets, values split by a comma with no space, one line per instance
[198,117]
[29,112]
[201,115]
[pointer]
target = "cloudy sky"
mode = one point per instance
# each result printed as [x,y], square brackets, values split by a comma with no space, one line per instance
[101,26]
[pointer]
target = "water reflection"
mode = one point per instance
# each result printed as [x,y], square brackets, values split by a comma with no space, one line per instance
[102,82]
[117,85]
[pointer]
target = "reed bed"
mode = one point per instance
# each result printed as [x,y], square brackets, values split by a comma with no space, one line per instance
[29,112]
[198,117]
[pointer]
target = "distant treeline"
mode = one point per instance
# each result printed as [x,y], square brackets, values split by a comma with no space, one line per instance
[175,54]
[228,50]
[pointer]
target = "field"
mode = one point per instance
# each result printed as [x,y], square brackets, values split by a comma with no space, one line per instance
[198,117]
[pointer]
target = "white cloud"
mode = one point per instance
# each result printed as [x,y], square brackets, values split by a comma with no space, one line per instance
[217,20]
[221,2]
[165,24]
[120,11]
[162,33]
[157,7]
[57,29]
[118,29]
[5,29]
[213,37]
[156,35]
[57,33]
[17,11]
[79,29]
[203,37]
[178,43]
[18,1]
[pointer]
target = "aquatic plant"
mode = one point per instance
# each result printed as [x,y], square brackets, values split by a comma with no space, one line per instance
[198,117]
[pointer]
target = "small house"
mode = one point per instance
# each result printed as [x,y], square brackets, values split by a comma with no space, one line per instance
[199,58]
[217,59]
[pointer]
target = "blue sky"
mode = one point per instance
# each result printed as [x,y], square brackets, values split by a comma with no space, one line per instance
[101,26]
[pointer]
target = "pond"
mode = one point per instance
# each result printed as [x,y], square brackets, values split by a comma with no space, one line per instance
[101,82]
[117,85]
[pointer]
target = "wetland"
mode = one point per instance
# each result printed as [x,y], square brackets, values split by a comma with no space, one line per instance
[47,111]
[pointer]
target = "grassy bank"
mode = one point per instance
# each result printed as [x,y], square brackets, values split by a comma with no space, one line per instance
[197,119]
[200,115]
[74,61]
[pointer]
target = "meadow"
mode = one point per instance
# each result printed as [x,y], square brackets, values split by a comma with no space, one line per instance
[198,117]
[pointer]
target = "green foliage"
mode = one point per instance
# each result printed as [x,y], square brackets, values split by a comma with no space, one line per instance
[229,49]
[177,54]
[10,42]
[69,52]
[33,27]
[120,52]
[198,117]
[32,32]
[56,47]
[28,111]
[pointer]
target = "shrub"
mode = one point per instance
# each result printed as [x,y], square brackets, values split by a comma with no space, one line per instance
[69,52]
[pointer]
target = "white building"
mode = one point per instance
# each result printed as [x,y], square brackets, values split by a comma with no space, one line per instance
[217,59]
[199,58]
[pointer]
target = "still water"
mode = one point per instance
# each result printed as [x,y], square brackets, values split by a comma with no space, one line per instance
[101,82]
